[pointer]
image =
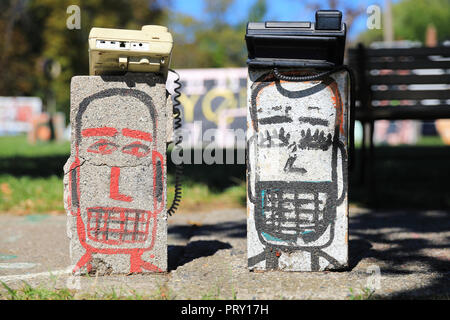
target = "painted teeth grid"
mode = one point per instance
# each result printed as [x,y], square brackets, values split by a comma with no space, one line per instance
[291,213]
[118,225]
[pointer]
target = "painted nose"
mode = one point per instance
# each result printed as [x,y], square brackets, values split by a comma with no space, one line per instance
[114,192]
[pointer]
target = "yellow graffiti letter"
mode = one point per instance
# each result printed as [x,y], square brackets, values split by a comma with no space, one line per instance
[229,102]
[188,104]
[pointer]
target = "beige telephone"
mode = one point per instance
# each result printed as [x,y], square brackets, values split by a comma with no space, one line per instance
[116,50]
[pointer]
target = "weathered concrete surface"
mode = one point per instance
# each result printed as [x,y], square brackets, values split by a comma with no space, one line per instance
[297,172]
[208,259]
[115,178]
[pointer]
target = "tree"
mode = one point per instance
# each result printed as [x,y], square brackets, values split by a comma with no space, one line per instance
[411,19]
[213,42]
[14,50]
[35,30]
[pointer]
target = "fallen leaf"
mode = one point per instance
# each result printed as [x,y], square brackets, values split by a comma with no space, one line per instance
[5,188]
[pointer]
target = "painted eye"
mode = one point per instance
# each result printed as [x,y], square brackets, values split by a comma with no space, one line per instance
[276,139]
[103,147]
[136,149]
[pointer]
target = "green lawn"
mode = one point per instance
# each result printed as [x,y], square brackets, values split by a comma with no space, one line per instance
[18,146]
[31,181]
[23,195]
[403,177]
[52,292]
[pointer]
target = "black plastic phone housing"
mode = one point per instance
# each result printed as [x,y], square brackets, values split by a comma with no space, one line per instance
[299,44]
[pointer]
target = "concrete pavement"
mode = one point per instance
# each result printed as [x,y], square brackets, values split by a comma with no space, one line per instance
[397,253]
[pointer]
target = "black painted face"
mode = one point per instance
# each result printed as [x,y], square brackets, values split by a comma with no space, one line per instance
[295,133]
[296,187]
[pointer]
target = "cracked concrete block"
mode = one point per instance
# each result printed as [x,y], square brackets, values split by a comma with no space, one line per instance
[297,172]
[115,178]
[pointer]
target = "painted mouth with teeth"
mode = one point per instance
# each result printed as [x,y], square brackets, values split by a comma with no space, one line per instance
[288,212]
[316,141]
[117,226]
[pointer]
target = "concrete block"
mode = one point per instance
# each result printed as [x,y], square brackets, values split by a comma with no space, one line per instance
[115,178]
[297,172]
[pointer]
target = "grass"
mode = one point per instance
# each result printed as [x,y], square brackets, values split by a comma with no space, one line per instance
[369,294]
[52,292]
[25,195]
[14,146]
[199,197]
[366,294]
[430,141]
[163,293]
[27,292]
[404,177]
[31,181]
[212,294]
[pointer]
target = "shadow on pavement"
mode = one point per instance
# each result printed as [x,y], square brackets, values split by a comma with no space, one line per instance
[400,242]
[357,250]
[229,229]
[406,242]
[180,255]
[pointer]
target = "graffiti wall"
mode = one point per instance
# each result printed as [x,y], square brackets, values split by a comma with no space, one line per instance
[297,173]
[396,132]
[115,189]
[16,114]
[212,99]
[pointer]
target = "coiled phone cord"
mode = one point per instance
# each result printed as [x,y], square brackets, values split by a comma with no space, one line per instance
[321,75]
[177,125]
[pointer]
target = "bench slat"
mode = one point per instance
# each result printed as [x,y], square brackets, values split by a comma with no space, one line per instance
[403,112]
[426,64]
[410,94]
[444,50]
[396,52]
[390,59]
[409,79]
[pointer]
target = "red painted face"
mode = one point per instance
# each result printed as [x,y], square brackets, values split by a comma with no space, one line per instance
[139,148]
[124,223]
[117,176]
[121,180]
[103,145]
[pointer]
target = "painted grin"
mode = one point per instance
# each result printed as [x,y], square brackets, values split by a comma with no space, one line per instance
[117,225]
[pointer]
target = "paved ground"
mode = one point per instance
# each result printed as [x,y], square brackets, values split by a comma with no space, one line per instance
[207,258]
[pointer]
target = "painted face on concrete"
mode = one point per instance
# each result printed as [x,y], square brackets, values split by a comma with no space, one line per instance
[116,134]
[293,129]
[118,143]
[296,186]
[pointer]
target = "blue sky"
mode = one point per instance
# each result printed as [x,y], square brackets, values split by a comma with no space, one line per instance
[284,10]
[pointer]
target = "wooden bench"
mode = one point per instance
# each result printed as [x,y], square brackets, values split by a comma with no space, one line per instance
[395,84]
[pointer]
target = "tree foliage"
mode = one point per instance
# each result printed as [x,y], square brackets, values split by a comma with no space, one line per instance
[411,19]
[33,31]
[213,42]
[36,30]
